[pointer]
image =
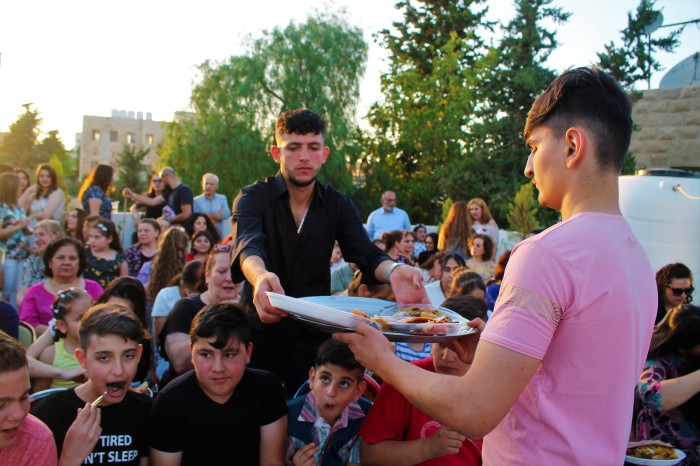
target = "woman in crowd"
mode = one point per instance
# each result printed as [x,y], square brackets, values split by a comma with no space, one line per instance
[454,234]
[494,285]
[201,246]
[14,237]
[64,264]
[146,248]
[440,290]
[431,242]
[674,283]
[33,270]
[395,247]
[73,225]
[482,220]
[481,260]
[201,222]
[93,192]
[23,179]
[408,241]
[168,262]
[669,387]
[155,188]
[189,282]
[44,200]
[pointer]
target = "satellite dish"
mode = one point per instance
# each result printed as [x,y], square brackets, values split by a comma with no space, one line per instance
[654,24]
[685,73]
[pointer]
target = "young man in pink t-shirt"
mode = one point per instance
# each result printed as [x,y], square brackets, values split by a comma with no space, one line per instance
[553,379]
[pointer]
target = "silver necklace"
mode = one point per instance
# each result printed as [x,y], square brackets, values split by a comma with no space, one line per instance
[301,224]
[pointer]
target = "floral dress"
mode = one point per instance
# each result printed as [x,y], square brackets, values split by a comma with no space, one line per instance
[95,192]
[103,271]
[16,246]
[669,426]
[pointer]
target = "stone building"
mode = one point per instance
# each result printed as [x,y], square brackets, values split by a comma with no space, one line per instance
[104,137]
[669,128]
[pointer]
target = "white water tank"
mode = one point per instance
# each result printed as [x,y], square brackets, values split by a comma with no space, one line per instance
[662,207]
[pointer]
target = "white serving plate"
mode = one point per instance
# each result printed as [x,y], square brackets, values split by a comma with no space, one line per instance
[649,462]
[334,314]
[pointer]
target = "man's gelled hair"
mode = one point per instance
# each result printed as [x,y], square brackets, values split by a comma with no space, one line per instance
[299,121]
[590,98]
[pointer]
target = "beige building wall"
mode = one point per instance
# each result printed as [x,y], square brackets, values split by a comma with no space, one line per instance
[669,122]
[104,137]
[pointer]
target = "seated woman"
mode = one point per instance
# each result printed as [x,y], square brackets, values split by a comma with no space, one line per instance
[395,246]
[201,222]
[431,241]
[201,245]
[440,290]
[64,262]
[145,250]
[669,387]
[493,287]
[674,283]
[73,224]
[33,269]
[481,260]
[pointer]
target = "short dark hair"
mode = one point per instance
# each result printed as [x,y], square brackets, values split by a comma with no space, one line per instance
[13,356]
[57,244]
[339,354]
[222,322]
[299,121]
[110,319]
[465,281]
[469,307]
[588,97]
[664,276]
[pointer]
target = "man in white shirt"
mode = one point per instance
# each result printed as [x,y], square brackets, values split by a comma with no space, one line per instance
[213,204]
[387,218]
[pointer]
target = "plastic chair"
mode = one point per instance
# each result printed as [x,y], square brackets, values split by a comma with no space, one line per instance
[34,397]
[27,335]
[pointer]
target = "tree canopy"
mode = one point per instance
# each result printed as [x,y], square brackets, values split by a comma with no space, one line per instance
[316,64]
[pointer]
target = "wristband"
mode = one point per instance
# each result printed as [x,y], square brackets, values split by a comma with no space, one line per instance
[391,269]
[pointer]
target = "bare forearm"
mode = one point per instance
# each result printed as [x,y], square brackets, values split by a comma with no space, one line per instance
[675,392]
[394,452]
[380,272]
[253,267]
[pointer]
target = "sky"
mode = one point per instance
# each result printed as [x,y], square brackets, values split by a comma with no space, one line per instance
[81,57]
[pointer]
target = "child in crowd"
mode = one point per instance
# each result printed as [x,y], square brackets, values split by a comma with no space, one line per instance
[396,433]
[222,409]
[24,439]
[110,352]
[202,244]
[90,221]
[105,256]
[323,424]
[68,308]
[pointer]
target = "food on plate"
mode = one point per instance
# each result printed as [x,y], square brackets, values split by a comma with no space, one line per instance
[415,315]
[358,312]
[653,451]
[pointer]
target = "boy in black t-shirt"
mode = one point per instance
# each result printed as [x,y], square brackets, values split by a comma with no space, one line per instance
[222,409]
[110,352]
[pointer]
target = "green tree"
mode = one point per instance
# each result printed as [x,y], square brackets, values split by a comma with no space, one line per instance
[522,212]
[511,76]
[428,97]
[633,61]
[51,146]
[316,64]
[131,171]
[17,147]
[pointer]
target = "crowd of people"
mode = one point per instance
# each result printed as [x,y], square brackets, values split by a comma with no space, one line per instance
[170,351]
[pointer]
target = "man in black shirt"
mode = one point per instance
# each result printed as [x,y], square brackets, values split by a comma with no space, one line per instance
[284,229]
[177,196]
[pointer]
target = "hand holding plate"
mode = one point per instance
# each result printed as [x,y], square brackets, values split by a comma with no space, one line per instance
[267,281]
[370,347]
[465,347]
